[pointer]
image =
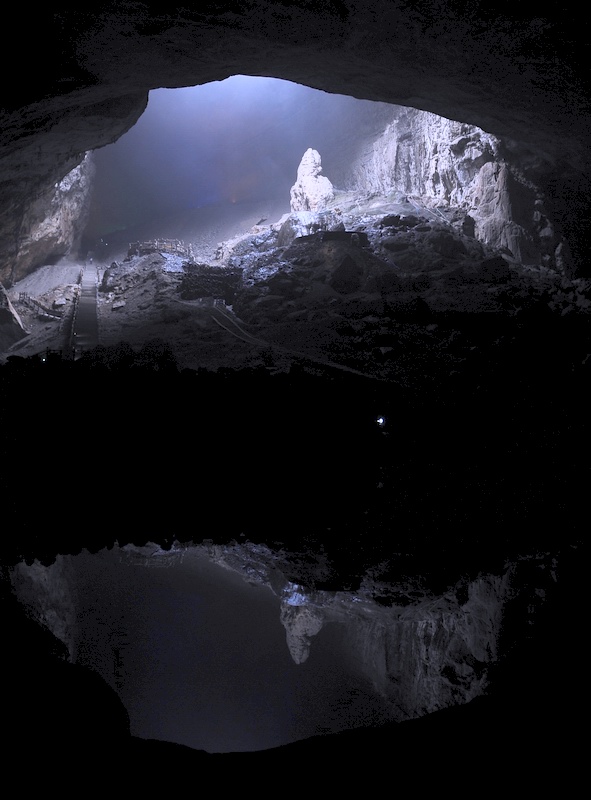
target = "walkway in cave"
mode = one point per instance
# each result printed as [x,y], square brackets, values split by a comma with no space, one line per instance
[85,332]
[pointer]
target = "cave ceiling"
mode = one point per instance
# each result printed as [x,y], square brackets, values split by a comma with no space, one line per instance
[521,78]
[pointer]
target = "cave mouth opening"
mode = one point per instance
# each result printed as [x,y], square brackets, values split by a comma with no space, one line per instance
[214,160]
[214,648]
[198,151]
[208,154]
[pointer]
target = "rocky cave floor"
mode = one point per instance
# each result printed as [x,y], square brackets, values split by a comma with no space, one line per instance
[419,304]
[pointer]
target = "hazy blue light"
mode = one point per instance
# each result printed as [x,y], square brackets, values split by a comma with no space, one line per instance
[230,141]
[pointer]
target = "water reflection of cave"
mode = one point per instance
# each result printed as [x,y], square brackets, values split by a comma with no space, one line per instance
[199,657]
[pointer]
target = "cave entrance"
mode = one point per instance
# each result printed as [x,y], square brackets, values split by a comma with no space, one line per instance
[221,156]
[206,163]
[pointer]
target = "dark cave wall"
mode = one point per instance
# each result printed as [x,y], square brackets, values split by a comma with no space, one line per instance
[42,147]
[515,77]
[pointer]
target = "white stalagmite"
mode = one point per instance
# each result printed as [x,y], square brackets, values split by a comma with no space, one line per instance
[311,191]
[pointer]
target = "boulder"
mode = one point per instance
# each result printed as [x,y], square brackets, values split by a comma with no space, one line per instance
[495,269]
[347,277]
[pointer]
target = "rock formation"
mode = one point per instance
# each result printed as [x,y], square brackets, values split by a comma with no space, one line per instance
[53,224]
[46,593]
[311,191]
[422,654]
[456,167]
[11,325]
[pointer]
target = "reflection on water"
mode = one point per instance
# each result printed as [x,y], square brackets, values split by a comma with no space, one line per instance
[199,657]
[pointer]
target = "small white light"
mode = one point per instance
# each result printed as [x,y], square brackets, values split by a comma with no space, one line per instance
[381,420]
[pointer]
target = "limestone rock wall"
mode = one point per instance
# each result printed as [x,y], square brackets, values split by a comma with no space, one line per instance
[43,160]
[54,222]
[311,191]
[428,655]
[437,652]
[453,166]
[422,655]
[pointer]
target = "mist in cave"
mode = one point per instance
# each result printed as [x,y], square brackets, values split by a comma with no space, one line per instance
[199,657]
[223,143]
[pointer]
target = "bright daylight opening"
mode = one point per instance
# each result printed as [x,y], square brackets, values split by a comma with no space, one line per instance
[219,155]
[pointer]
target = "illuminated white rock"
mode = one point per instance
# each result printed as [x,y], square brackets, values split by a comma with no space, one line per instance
[311,191]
